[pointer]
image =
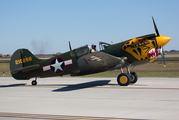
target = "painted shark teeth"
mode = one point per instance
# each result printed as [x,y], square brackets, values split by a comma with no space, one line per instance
[153,53]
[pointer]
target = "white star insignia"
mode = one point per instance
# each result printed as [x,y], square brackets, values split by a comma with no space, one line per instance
[57,65]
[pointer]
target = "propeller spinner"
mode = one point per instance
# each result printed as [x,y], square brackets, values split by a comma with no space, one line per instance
[161,41]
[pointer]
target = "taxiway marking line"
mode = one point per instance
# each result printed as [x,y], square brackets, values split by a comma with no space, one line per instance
[56,117]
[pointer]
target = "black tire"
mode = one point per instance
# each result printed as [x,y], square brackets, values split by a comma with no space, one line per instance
[134,77]
[123,79]
[34,82]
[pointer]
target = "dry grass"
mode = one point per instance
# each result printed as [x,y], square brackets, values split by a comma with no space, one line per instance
[156,69]
[4,67]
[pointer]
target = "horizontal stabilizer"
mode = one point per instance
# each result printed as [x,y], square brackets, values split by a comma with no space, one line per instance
[25,69]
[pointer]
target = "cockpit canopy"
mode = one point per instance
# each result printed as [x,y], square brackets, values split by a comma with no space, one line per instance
[103,45]
[82,51]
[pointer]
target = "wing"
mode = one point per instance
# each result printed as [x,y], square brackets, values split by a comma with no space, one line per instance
[98,61]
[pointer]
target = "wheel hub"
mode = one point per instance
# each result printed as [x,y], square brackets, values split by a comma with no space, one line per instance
[123,79]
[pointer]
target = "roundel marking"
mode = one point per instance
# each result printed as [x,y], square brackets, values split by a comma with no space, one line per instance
[57,65]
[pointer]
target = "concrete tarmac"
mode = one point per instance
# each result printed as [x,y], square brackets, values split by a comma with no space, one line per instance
[89,99]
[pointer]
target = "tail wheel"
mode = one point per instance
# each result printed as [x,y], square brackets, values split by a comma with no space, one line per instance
[123,79]
[134,77]
[34,82]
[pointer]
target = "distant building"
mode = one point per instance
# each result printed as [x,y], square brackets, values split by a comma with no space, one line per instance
[1,55]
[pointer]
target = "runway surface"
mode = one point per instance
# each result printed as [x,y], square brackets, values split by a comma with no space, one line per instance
[89,99]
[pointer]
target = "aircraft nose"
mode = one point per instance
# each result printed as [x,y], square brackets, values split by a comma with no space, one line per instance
[162,40]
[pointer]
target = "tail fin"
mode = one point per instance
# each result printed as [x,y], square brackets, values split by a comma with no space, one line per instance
[22,61]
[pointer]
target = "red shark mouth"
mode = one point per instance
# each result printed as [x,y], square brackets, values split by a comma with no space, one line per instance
[153,53]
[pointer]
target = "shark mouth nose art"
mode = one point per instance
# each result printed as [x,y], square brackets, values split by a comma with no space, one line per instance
[153,53]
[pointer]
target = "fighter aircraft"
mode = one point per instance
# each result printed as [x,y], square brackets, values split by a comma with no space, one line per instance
[81,61]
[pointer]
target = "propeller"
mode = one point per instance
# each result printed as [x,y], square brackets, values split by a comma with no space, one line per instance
[161,48]
[162,54]
[156,30]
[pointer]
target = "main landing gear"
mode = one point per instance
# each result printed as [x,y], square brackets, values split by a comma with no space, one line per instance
[34,82]
[124,79]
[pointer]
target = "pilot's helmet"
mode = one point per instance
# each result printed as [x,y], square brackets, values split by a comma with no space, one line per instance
[93,46]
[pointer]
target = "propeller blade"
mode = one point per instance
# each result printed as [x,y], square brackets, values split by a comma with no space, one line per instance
[162,55]
[156,30]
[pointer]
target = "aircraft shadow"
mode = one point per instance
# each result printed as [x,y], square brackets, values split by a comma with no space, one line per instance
[82,86]
[12,85]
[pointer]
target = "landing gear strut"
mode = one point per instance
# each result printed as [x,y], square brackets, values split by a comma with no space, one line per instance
[124,79]
[34,82]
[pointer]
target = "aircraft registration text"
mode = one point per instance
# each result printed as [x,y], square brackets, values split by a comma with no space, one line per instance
[23,60]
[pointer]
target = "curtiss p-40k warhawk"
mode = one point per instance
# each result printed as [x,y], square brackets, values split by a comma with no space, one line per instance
[24,65]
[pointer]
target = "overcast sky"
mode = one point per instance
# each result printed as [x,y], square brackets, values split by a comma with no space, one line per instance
[46,26]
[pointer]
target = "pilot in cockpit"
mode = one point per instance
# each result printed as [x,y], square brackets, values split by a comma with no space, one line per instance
[93,48]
